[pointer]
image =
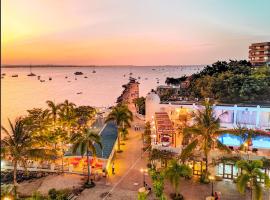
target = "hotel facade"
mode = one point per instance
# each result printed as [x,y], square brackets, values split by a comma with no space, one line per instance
[165,119]
[259,54]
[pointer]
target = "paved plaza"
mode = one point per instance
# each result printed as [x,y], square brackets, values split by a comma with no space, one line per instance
[126,181]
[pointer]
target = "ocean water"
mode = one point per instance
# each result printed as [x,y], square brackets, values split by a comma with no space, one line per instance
[100,89]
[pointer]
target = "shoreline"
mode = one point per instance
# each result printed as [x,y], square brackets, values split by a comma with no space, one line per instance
[91,66]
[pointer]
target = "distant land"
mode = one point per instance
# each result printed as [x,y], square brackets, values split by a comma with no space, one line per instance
[37,66]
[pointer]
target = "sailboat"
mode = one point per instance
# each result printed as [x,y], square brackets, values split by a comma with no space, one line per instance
[31,73]
[94,71]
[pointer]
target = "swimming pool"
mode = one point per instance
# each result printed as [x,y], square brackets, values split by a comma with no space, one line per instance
[261,142]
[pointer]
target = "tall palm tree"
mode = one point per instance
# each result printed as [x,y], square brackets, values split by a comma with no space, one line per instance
[53,110]
[67,114]
[122,116]
[84,142]
[174,172]
[20,146]
[37,120]
[67,106]
[204,133]
[250,172]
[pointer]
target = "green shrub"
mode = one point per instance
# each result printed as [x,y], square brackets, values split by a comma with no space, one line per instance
[204,178]
[142,196]
[58,194]
[37,196]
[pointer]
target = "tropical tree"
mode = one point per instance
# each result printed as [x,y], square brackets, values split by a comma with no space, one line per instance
[53,110]
[7,190]
[37,122]
[124,132]
[204,133]
[60,138]
[140,105]
[84,114]
[142,196]
[174,172]
[84,142]
[67,114]
[20,146]
[122,116]
[250,173]
[147,135]
[158,183]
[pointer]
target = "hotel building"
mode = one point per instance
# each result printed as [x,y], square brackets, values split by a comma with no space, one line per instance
[259,54]
[167,117]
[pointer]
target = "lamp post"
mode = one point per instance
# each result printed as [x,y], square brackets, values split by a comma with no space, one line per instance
[143,171]
[155,139]
[212,178]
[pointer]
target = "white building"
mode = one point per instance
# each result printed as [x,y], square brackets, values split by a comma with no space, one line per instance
[256,117]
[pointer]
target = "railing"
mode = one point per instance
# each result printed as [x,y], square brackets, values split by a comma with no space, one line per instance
[172,149]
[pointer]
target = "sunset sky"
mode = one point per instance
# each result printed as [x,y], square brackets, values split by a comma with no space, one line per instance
[137,32]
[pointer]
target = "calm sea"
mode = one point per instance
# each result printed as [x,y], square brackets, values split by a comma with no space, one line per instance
[99,89]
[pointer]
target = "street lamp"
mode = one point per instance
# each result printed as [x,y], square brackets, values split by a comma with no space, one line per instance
[155,139]
[212,178]
[143,171]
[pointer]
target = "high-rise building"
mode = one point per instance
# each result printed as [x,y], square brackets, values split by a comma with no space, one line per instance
[259,53]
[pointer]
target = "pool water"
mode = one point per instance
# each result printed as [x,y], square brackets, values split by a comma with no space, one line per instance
[261,142]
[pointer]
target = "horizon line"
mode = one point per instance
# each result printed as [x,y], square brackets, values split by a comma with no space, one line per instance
[75,65]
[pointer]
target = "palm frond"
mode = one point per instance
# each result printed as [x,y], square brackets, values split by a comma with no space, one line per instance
[241,182]
[223,147]
[258,191]
[186,152]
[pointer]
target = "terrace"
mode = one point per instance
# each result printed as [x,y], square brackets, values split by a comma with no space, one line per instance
[77,163]
[165,133]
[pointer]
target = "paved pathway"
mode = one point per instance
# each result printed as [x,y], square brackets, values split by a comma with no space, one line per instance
[128,178]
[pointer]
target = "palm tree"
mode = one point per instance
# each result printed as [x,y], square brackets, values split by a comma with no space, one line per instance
[37,120]
[84,114]
[174,172]
[53,110]
[67,106]
[67,115]
[124,132]
[7,190]
[204,133]
[20,146]
[250,172]
[84,142]
[122,116]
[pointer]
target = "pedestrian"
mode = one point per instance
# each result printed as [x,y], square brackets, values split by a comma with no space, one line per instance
[113,168]
[216,196]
